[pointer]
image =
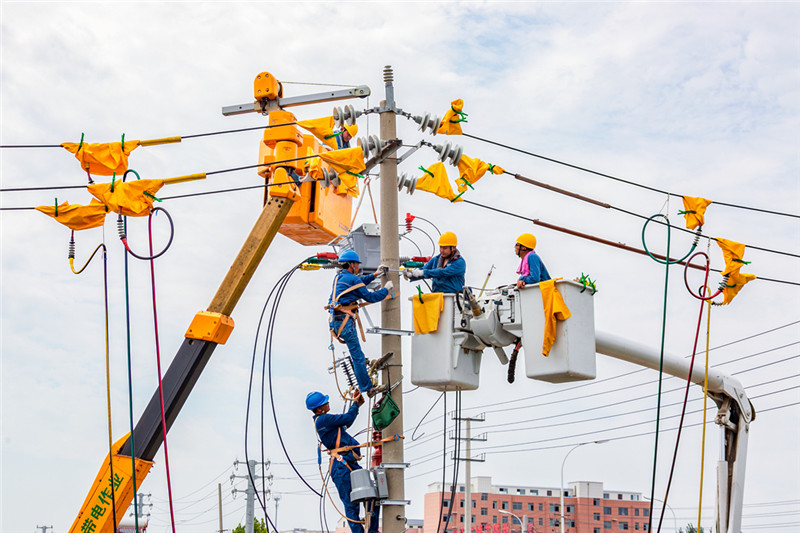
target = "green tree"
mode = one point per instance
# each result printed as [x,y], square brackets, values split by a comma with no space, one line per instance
[691,529]
[259,526]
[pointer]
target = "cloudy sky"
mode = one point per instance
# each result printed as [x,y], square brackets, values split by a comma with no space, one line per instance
[699,99]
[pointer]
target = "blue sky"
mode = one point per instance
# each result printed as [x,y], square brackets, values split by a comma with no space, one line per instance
[701,99]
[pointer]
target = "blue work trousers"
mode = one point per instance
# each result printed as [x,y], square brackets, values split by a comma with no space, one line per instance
[341,478]
[350,336]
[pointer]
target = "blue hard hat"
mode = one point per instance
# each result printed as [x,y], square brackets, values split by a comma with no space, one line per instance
[315,399]
[349,255]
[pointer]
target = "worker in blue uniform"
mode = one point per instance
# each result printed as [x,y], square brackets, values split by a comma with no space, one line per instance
[446,269]
[332,432]
[348,288]
[531,268]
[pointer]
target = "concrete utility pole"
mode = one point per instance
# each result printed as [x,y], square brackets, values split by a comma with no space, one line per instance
[250,493]
[44,528]
[468,469]
[219,495]
[393,519]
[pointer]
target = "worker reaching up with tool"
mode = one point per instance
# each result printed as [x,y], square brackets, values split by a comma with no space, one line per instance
[531,269]
[345,454]
[348,288]
[446,269]
[344,135]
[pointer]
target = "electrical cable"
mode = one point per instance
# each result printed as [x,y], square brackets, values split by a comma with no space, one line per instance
[583,169]
[444,461]
[130,389]
[413,438]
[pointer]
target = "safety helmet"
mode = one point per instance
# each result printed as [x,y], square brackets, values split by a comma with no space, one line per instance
[315,399]
[527,240]
[352,129]
[348,256]
[448,239]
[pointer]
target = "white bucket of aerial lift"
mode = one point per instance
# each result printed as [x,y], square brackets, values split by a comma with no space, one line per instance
[362,487]
[572,357]
[449,358]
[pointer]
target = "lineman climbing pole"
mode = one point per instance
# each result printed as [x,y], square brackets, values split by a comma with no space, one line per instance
[393,511]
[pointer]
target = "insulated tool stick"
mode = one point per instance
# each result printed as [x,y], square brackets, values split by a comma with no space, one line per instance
[489,275]
[512,363]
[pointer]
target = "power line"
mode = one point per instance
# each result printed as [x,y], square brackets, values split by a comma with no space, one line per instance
[609,176]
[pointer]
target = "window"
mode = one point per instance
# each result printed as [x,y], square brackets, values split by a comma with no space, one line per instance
[473,503]
[623,511]
[636,526]
[623,525]
[566,494]
[461,489]
[596,502]
[569,509]
[644,527]
[484,511]
[619,496]
[597,530]
[645,512]
[494,520]
[446,503]
[462,518]
[462,504]
[530,507]
[554,522]
[540,508]
[549,492]
[635,511]
[606,510]
[555,508]
[634,497]
[535,492]
[540,522]
[605,495]
[606,525]
[520,491]
[484,496]
[502,490]
[596,516]
[570,523]
[505,519]
[516,506]
[504,505]
[494,505]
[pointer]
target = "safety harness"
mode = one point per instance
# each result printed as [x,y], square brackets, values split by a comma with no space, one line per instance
[349,310]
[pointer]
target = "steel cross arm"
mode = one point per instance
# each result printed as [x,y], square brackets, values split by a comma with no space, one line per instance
[360,91]
[390,148]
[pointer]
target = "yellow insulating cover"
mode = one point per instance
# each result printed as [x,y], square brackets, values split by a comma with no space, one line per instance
[127,198]
[276,132]
[438,183]
[77,216]
[345,160]
[266,86]
[554,309]
[96,514]
[348,185]
[426,312]
[321,128]
[736,281]
[472,170]
[102,159]
[698,206]
[451,123]
[208,326]
[733,253]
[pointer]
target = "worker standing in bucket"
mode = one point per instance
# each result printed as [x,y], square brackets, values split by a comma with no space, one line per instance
[332,432]
[446,269]
[344,135]
[531,268]
[348,288]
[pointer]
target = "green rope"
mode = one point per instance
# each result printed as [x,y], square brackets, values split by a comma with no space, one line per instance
[687,212]
[79,145]
[666,264]
[426,171]
[419,291]
[123,142]
[130,387]
[465,180]
[113,179]
[56,207]
[334,134]
[151,196]
[356,175]
[741,261]
[459,196]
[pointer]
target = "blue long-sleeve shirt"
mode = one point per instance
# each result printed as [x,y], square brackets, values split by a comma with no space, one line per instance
[538,272]
[448,279]
[346,279]
[328,427]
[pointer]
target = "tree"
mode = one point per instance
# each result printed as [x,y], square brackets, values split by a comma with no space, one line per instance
[691,529]
[258,527]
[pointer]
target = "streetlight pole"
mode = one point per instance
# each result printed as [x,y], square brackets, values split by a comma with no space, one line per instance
[561,488]
[674,519]
[523,523]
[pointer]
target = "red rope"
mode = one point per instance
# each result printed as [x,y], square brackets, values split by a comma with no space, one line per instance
[686,393]
[158,363]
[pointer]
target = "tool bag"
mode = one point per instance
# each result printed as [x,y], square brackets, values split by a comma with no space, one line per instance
[384,412]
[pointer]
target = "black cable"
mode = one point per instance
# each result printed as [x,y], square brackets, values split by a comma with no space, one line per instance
[444,462]
[596,239]
[122,227]
[576,167]
[413,438]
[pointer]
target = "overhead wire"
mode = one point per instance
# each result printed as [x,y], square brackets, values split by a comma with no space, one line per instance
[609,176]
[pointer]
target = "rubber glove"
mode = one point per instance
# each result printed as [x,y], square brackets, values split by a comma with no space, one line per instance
[389,285]
[382,271]
[407,274]
[417,273]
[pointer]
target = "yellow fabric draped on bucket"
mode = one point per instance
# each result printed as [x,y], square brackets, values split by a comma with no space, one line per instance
[554,309]
[426,312]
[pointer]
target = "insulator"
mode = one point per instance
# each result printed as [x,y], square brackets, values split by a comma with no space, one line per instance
[427,122]
[345,115]
[409,219]
[448,152]
[71,254]
[338,118]
[330,177]
[697,235]
[407,182]
[346,364]
[388,74]
[121,227]
[372,144]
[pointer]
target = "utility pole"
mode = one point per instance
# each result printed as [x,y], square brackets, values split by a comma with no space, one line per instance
[468,470]
[140,505]
[277,499]
[250,493]
[393,519]
[219,495]
[44,528]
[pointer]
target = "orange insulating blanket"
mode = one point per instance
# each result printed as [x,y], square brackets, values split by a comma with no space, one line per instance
[733,253]
[451,123]
[426,312]
[128,198]
[76,216]
[345,160]
[102,159]
[694,211]
[472,170]
[554,309]
[435,180]
[736,281]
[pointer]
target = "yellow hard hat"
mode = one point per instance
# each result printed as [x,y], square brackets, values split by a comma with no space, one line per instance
[527,240]
[448,239]
[352,129]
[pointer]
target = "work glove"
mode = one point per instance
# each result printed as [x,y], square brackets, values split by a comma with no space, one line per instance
[407,274]
[382,271]
[359,399]
[389,285]
[417,273]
